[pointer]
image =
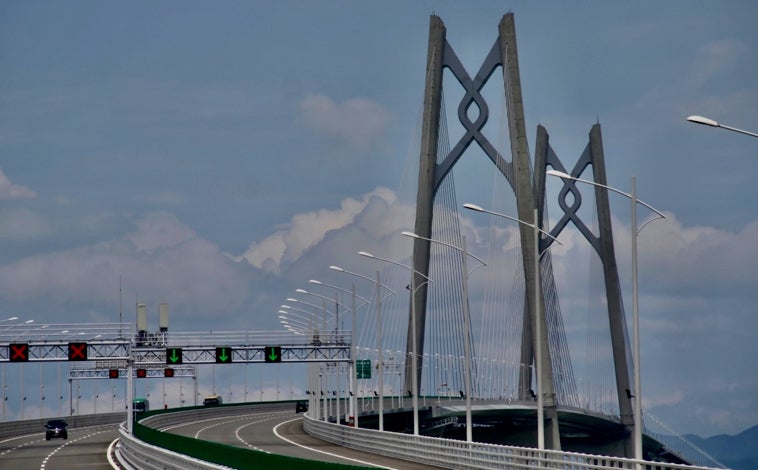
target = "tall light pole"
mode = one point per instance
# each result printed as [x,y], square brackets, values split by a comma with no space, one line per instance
[378,333]
[337,335]
[353,409]
[635,296]
[414,347]
[466,322]
[538,317]
[4,386]
[322,308]
[710,122]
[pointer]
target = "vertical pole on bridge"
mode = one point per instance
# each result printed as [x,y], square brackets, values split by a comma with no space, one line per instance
[129,390]
[379,350]
[353,371]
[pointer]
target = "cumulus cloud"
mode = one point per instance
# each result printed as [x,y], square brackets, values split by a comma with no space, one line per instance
[356,122]
[307,230]
[161,260]
[9,190]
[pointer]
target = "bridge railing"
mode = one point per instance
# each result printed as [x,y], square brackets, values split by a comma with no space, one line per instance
[454,454]
[150,448]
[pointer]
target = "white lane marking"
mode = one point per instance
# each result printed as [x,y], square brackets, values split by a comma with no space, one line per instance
[26,436]
[237,433]
[276,431]
[225,420]
[110,453]
[23,444]
[51,454]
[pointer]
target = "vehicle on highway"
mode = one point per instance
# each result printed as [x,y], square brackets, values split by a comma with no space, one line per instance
[140,405]
[212,400]
[301,407]
[56,428]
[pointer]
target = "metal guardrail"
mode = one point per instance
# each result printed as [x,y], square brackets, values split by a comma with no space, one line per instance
[454,454]
[444,453]
[135,454]
[150,448]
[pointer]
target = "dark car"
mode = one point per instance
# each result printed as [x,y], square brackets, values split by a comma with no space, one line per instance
[301,406]
[56,428]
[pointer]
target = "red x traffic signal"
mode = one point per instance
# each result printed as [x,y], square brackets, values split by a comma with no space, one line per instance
[141,373]
[77,351]
[168,372]
[112,373]
[18,352]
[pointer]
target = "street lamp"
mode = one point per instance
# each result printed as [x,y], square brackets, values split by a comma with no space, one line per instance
[635,292]
[379,284]
[710,122]
[322,308]
[466,321]
[353,370]
[414,347]
[537,314]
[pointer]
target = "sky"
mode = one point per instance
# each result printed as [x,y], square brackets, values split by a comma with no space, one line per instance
[217,156]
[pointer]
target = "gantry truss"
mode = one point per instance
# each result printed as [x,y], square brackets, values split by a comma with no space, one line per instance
[244,353]
[116,342]
[103,372]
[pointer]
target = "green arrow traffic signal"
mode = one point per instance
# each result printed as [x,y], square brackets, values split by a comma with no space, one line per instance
[273,353]
[223,355]
[173,355]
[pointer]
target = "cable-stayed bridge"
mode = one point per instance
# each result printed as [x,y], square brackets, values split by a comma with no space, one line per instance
[452,341]
[504,352]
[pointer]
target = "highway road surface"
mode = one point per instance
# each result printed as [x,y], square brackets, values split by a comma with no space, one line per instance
[273,428]
[277,429]
[85,448]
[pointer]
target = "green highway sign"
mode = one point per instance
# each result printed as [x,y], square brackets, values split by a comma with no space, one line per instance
[223,355]
[173,355]
[363,369]
[273,353]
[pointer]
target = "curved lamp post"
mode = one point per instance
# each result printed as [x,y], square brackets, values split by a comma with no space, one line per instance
[710,122]
[414,353]
[354,390]
[466,321]
[337,334]
[537,313]
[379,284]
[635,293]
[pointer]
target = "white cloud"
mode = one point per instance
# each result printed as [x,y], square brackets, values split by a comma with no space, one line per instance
[357,122]
[9,190]
[305,231]
[161,260]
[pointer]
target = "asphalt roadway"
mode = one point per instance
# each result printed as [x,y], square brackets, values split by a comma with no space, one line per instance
[85,448]
[278,431]
[281,432]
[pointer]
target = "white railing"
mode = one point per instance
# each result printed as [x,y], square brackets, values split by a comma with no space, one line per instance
[454,454]
[134,454]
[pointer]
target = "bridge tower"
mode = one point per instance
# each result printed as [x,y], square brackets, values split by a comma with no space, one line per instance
[503,54]
[593,156]
[529,191]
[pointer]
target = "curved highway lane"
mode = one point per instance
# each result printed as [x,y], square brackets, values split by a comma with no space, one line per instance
[278,430]
[85,448]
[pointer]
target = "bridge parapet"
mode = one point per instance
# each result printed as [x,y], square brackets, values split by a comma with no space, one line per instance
[450,453]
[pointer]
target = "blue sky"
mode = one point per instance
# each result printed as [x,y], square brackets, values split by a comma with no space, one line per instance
[216,156]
